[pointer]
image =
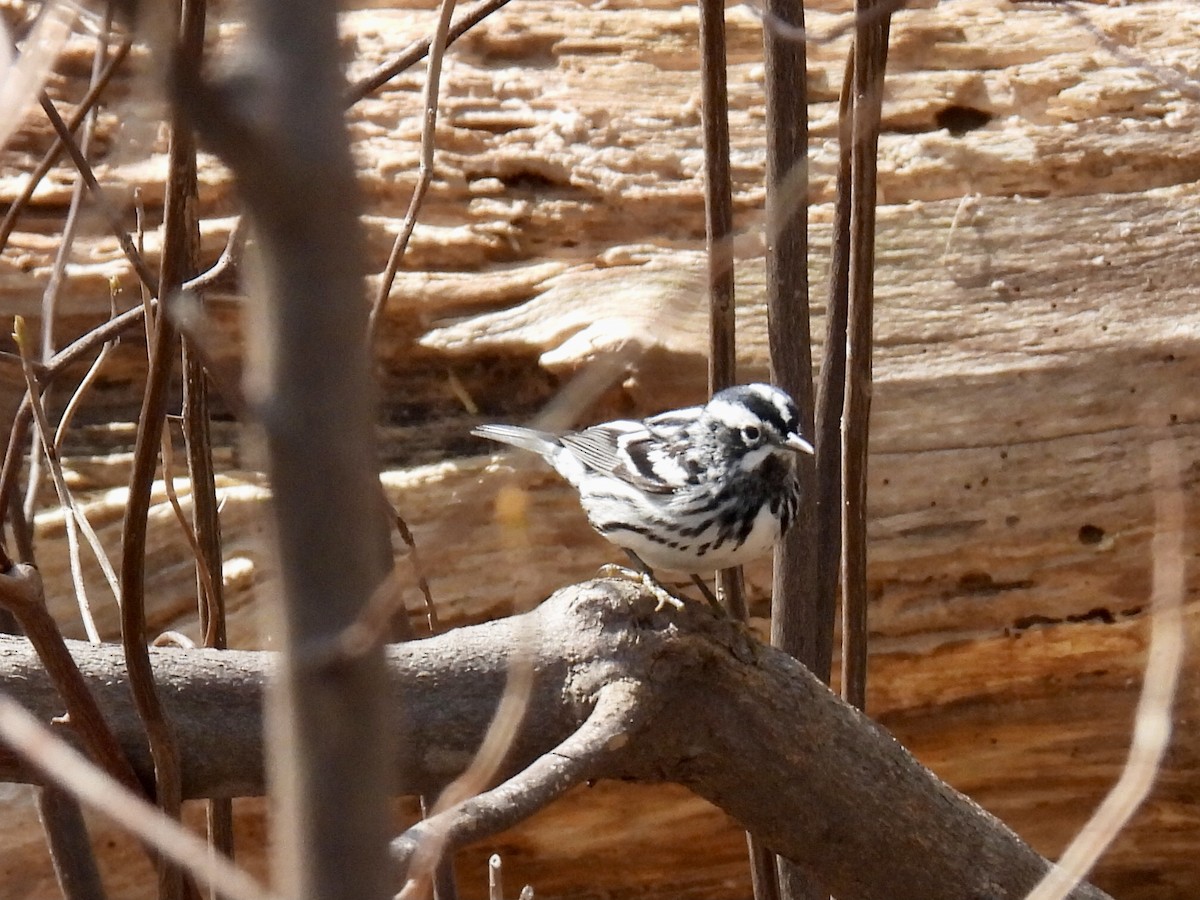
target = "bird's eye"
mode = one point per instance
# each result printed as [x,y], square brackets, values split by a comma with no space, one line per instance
[751,433]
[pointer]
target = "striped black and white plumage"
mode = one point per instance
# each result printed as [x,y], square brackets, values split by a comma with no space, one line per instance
[690,490]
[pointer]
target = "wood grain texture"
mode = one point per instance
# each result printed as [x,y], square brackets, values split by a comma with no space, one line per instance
[1038,242]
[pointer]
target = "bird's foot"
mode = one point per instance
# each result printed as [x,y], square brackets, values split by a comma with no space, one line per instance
[646,580]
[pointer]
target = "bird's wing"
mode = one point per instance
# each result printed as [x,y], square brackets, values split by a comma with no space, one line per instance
[666,426]
[633,453]
[624,450]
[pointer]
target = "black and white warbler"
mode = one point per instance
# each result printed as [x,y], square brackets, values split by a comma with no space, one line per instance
[691,490]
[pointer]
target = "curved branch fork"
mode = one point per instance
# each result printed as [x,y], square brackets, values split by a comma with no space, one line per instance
[619,691]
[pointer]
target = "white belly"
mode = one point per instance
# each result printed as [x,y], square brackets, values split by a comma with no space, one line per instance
[695,557]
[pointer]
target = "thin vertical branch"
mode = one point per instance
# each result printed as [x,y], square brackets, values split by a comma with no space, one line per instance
[58,269]
[10,504]
[722,325]
[207,526]
[870,61]
[495,878]
[718,195]
[801,615]
[801,621]
[281,131]
[71,853]
[831,382]
[89,378]
[444,882]
[718,228]
[179,238]
[181,262]
[63,252]
[133,585]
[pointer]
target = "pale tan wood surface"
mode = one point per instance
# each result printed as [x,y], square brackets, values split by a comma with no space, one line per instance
[1038,326]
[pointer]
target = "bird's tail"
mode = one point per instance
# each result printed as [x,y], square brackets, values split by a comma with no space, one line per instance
[543,443]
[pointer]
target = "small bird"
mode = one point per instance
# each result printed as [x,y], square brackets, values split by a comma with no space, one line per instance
[691,490]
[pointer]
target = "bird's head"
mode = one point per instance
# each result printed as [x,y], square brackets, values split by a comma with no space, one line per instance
[759,419]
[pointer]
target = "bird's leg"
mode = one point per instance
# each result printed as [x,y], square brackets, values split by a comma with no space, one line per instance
[709,595]
[644,576]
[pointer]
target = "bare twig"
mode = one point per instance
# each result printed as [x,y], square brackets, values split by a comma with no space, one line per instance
[718,228]
[831,380]
[870,61]
[19,433]
[417,50]
[418,572]
[1164,664]
[495,878]
[133,585]
[179,261]
[106,208]
[52,154]
[62,820]
[722,327]
[207,521]
[544,780]
[85,344]
[88,379]
[74,518]
[63,252]
[22,537]
[718,196]
[433,76]
[57,271]
[205,577]
[73,773]
[801,615]
[70,849]
[228,262]
[145,290]
[187,313]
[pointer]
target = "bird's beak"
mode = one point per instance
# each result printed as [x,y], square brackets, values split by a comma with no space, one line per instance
[797,443]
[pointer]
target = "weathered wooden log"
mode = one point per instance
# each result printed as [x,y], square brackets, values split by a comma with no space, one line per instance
[1036,293]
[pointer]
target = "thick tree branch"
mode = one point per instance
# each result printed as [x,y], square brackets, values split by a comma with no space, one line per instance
[740,723]
[581,756]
